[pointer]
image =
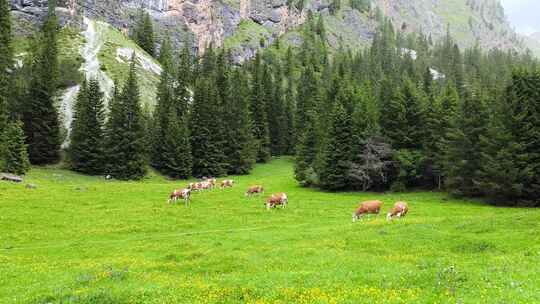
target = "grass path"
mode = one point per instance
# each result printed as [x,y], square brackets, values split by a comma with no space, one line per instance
[79,239]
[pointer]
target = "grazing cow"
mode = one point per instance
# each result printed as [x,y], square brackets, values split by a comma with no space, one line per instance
[194,186]
[399,210]
[212,182]
[278,199]
[255,190]
[369,207]
[227,183]
[199,186]
[206,185]
[184,194]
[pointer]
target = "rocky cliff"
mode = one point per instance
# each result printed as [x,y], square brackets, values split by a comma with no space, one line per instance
[241,25]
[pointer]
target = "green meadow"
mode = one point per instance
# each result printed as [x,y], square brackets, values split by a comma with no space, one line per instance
[79,239]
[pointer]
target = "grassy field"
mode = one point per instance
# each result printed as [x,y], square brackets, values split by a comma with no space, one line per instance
[78,239]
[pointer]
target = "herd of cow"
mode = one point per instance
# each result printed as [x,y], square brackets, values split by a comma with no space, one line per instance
[399,210]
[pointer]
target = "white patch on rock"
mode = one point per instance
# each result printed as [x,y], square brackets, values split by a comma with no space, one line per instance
[19,60]
[412,53]
[90,51]
[124,55]
[66,110]
[436,74]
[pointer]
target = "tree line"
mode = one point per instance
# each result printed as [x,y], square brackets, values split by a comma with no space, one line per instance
[404,113]
[409,113]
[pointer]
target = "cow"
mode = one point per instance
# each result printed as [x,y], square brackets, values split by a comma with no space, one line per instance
[369,207]
[227,183]
[278,199]
[400,209]
[255,190]
[199,186]
[194,186]
[206,185]
[184,194]
[211,181]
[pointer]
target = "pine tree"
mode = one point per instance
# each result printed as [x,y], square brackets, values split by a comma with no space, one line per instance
[6,60]
[15,152]
[177,157]
[464,160]
[206,136]
[125,132]
[440,117]
[275,109]
[290,127]
[402,118]
[165,103]
[184,81]
[290,103]
[307,152]
[143,33]
[86,151]
[165,54]
[511,172]
[259,112]
[6,63]
[41,121]
[308,91]
[337,154]
[240,143]
[365,116]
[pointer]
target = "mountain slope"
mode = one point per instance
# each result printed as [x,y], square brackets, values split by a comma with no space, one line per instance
[246,25]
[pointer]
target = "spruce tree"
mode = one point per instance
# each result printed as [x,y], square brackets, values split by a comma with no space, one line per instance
[402,118]
[276,113]
[511,172]
[259,112]
[466,147]
[6,60]
[15,153]
[206,136]
[184,81]
[439,120]
[307,152]
[6,64]
[125,132]
[165,102]
[143,33]
[337,153]
[177,148]
[308,90]
[240,143]
[41,121]
[86,151]
[290,102]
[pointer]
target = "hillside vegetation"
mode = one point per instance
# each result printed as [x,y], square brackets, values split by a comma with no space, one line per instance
[79,239]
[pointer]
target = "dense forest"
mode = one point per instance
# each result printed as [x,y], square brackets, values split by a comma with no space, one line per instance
[404,113]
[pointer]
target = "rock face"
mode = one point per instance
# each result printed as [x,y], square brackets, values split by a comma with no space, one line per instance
[241,25]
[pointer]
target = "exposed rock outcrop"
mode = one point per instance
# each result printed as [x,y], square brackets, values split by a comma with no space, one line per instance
[227,22]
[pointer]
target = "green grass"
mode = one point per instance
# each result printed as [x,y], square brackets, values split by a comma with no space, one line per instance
[248,33]
[114,39]
[79,239]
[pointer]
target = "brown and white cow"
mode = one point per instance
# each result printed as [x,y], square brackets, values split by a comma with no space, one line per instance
[368,207]
[206,185]
[194,186]
[278,199]
[211,181]
[400,209]
[199,186]
[184,194]
[228,183]
[255,190]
